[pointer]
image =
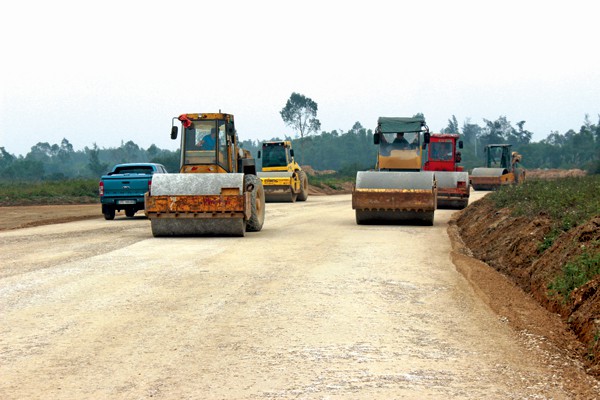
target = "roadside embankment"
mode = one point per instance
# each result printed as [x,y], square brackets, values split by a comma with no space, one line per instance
[556,265]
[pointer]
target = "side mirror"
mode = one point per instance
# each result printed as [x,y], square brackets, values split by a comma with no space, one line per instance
[426,138]
[376,138]
[258,156]
[292,152]
[174,131]
[460,144]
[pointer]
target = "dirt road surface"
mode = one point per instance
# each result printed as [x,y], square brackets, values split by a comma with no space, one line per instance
[313,306]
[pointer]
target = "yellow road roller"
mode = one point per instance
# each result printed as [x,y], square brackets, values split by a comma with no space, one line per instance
[501,169]
[398,190]
[216,192]
[281,176]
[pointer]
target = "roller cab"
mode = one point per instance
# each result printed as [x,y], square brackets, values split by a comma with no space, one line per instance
[398,191]
[216,193]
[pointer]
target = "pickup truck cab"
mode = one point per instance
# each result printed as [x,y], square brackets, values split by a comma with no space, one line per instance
[124,187]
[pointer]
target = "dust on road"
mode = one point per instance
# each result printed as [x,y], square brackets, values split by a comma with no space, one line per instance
[313,306]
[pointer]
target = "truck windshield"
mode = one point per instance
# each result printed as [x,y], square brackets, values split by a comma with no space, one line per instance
[497,157]
[400,141]
[201,141]
[441,151]
[274,156]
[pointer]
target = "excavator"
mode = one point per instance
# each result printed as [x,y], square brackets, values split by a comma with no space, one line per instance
[452,180]
[216,192]
[398,191]
[502,168]
[281,176]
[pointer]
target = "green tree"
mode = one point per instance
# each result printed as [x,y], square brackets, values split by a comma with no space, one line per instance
[94,164]
[452,126]
[497,131]
[300,113]
[520,136]
[5,158]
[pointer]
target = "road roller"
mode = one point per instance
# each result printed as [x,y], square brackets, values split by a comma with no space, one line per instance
[216,192]
[282,178]
[453,187]
[502,168]
[398,191]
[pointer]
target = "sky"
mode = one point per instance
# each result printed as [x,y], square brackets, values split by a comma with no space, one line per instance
[109,72]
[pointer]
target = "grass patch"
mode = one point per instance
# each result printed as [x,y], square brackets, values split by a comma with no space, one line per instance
[333,181]
[72,191]
[569,202]
[575,274]
[548,240]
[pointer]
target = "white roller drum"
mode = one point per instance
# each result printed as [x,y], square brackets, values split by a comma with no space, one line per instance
[423,180]
[195,184]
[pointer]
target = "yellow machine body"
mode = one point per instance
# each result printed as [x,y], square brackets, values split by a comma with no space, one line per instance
[216,191]
[282,178]
[398,191]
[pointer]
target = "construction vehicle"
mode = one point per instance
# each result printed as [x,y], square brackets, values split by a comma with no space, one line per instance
[398,191]
[281,176]
[216,191]
[453,187]
[502,168]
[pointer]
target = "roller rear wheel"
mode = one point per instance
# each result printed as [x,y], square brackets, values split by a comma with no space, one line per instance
[303,195]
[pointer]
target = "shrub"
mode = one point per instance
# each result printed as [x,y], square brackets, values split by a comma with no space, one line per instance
[575,274]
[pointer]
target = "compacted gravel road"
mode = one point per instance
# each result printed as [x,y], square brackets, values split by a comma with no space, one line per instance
[313,306]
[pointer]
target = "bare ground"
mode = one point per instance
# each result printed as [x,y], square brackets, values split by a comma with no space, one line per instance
[543,362]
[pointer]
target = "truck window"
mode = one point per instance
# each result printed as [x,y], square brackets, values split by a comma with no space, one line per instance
[274,156]
[135,169]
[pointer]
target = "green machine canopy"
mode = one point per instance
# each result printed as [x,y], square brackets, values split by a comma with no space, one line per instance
[400,124]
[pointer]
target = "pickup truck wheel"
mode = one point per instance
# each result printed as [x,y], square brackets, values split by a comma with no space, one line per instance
[109,214]
[129,212]
[257,203]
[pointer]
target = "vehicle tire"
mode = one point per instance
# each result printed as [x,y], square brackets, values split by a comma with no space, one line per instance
[109,213]
[129,212]
[303,195]
[257,205]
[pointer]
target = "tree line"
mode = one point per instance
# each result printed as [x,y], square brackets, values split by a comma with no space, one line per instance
[343,151]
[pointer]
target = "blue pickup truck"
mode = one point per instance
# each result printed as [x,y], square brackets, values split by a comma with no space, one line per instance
[123,188]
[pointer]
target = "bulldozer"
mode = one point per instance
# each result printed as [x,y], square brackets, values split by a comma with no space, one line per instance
[216,192]
[502,168]
[398,190]
[281,176]
[453,188]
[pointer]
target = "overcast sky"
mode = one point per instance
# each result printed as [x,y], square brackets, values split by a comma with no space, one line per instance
[113,71]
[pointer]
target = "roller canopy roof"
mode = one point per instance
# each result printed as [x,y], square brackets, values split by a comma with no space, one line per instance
[400,124]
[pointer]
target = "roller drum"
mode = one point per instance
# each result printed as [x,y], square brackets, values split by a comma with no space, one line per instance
[423,180]
[449,195]
[487,178]
[198,227]
[195,184]
[278,187]
[394,197]
[194,205]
